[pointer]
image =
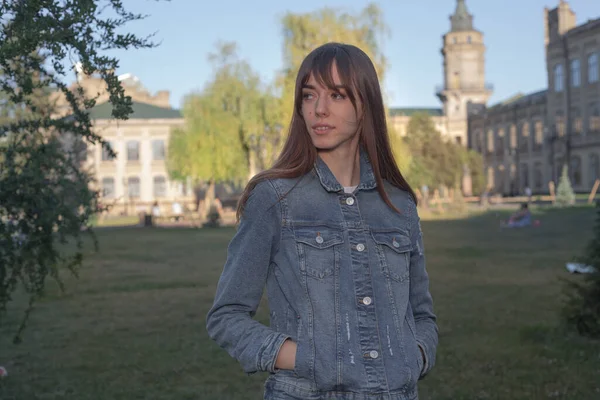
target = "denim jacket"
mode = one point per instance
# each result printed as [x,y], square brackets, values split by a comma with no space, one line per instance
[345,279]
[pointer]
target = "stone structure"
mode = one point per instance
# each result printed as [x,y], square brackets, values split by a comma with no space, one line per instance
[527,139]
[464,80]
[138,176]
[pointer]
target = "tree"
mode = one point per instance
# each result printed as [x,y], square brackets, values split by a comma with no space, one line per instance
[230,125]
[565,196]
[400,150]
[435,162]
[46,198]
[474,161]
[582,305]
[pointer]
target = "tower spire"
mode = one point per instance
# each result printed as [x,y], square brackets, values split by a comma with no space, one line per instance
[461,20]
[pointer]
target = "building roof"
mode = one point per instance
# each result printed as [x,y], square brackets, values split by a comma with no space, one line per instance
[461,20]
[589,25]
[521,99]
[140,111]
[410,111]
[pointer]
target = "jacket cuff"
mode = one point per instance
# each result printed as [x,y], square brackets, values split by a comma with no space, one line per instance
[425,368]
[269,352]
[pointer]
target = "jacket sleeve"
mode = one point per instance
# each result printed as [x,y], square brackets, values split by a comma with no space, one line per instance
[230,321]
[420,297]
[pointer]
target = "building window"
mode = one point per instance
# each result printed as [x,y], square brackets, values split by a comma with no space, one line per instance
[575,73]
[575,170]
[593,74]
[524,138]
[454,40]
[500,143]
[539,133]
[158,150]
[490,177]
[469,39]
[576,121]
[490,141]
[513,137]
[578,125]
[182,188]
[160,186]
[559,120]
[594,122]
[133,187]
[108,188]
[594,169]
[537,176]
[558,78]
[133,150]
[500,179]
[105,155]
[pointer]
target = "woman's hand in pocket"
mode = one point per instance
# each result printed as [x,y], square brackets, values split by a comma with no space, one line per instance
[286,359]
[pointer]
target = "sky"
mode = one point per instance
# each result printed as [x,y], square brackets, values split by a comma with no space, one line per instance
[188,31]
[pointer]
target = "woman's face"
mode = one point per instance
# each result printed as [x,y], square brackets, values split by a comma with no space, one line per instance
[330,117]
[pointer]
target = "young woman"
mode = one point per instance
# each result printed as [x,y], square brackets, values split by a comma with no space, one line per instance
[333,233]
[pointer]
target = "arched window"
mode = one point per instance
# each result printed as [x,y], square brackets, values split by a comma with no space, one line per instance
[558,78]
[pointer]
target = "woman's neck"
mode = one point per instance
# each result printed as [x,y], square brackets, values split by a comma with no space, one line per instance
[344,164]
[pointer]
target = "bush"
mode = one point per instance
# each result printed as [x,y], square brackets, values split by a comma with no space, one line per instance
[582,307]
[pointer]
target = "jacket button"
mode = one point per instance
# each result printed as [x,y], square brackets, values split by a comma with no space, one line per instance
[373,354]
[360,247]
[367,301]
[350,201]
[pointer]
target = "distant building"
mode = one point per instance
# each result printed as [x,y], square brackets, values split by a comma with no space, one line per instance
[138,176]
[526,140]
[464,80]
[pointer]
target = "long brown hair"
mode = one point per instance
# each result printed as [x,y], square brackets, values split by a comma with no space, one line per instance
[299,155]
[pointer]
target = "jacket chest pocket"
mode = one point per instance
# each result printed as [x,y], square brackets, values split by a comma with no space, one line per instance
[318,250]
[394,249]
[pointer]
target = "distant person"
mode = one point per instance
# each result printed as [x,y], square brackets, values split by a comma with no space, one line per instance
[528,193]
[332,232]
[520,218]
[177,210]
[155,209]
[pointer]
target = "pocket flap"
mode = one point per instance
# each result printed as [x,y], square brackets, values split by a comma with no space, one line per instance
[395,240]
[319,237]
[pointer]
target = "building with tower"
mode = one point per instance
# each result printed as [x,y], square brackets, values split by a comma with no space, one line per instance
[464,72]
[527,139]
[464,84]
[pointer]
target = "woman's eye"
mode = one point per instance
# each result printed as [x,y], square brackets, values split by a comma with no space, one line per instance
[338,96]
[307,96]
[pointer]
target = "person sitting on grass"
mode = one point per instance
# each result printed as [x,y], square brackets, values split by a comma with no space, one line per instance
[520,218]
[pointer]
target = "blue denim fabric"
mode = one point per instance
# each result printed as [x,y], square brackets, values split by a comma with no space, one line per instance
[346,280]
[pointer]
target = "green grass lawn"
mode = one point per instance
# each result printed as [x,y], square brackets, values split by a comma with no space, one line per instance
[132,326]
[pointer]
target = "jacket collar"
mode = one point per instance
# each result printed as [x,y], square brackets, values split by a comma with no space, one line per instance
[330,183]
